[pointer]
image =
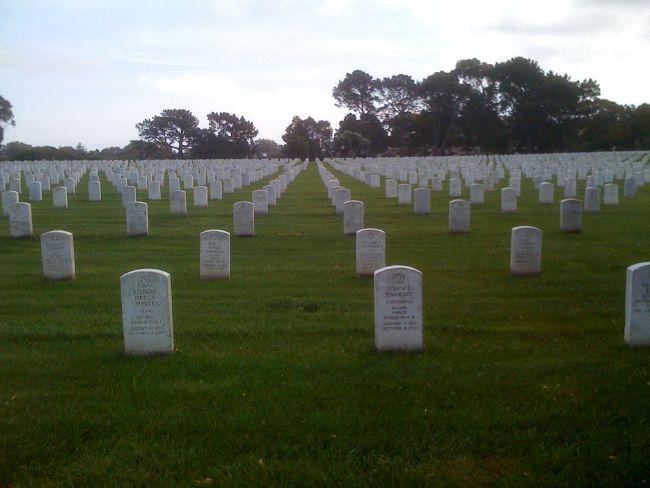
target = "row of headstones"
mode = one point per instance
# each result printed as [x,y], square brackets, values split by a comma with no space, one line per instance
[459,211]
[147,318]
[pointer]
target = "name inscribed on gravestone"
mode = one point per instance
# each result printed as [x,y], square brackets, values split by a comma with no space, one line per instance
[147,312]
[398,309]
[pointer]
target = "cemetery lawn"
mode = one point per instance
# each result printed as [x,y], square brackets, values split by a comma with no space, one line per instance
[275,380]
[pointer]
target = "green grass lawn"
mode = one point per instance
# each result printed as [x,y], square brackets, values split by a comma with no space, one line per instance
[275,380]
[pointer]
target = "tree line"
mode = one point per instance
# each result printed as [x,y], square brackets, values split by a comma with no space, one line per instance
[510,106]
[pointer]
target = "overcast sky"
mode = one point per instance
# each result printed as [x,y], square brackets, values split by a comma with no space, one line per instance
[88,70]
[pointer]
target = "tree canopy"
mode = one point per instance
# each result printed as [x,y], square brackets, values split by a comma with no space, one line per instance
[6,116]
[307,138]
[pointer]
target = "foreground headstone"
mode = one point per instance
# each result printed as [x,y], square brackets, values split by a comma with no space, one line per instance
[370,251]
[147,312]
[398,309]
[57,254]
[592,199]
[610,194]
[20,220]
[459,216]
[352,217]
[35,191]
[637,305]
[571,216]
[216,190]
[545,193]
[391,188]
[137,219]
[243,217]
[214,255]
[526,251]
[476,194]
[154,190]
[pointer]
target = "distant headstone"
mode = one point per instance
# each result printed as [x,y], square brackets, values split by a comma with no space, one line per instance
[455,187]
[174,184]
[476,194]
[370,251]
[422,201]
[637,305]
[629,187]
[243,216]
[214,255]
[137,219]
[341,196]
[592,199]
[508,200]
[260,202]
[398,309]
[391,188]
[352,217]
[128,195]
[94,191]
[147,312]
[216,190]
[436,184]
[70,185]
[610,194]
[35,192]
[20,220]
[570,216]
[570,188]
[178,202]
[526,251]
[60,197]
[545,193]
[271,195]
[228,185]
[8,199]
[57,254]
[459,216]
[404,194]
[154,190]
[201,196]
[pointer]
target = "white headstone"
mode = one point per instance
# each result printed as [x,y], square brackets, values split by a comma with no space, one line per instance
[370,251]
[8,199]
[94,191]
[570,188]
[404,194]
[154,190]
[545,193]
[272,195]
[455,187]
[216,190]
[508,200]
[570,216]
[201,196]
[147,312]
[610,194]
[592,199]
[637,305]
[20,220]
[459,216]
[137,219]
[352,217]
[422,201]
[214,254]
[629,187]
[391,188]
[260,202]
[70,185]
[476,194]
[526,251]
[228,185]
[398,309]
[341,196]
[60,197]
[35,193]
[128,195]
[243,216]
[57,254]
[178,202]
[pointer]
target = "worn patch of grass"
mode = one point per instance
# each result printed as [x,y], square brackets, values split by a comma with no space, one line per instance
[275,382]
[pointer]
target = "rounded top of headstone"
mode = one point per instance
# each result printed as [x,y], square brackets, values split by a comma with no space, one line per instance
[522,228]
[370,230]
[214,232]
[145,271]
[55,233]
[397,270]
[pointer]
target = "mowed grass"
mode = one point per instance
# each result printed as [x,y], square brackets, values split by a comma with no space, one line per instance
[275,381]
